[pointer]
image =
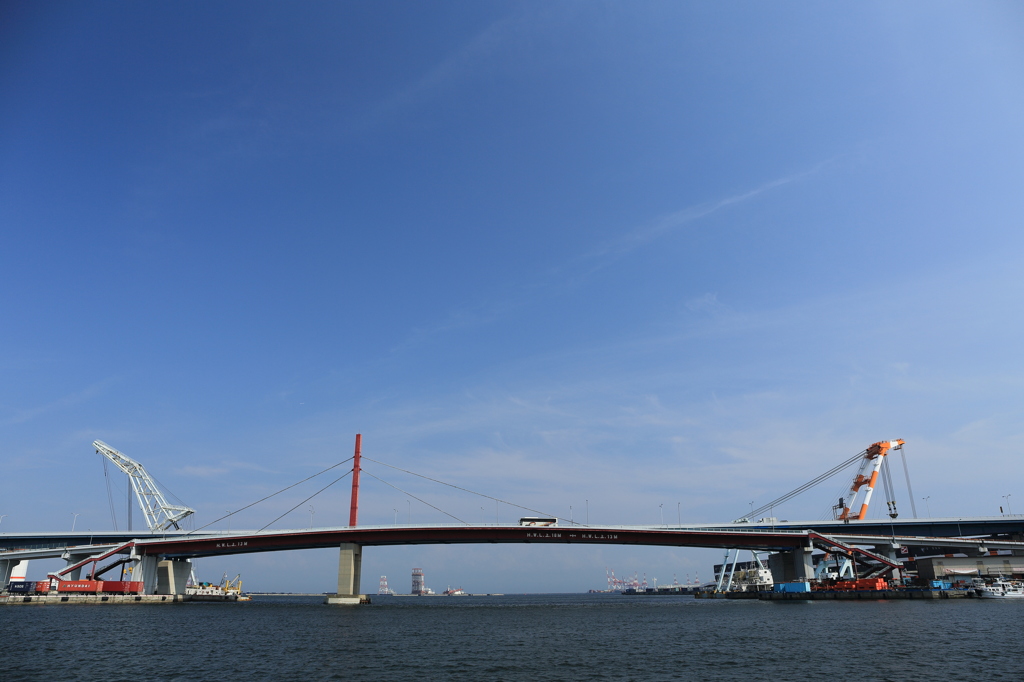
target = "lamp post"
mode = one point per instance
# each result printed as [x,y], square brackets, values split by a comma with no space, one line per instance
[587,502]
[1007,498]
[570,515]
[410,511]
[927,506]
[228,512]
[661,507]
[679,513]
[74,521]
[311,512]
[2,517]
[396,515]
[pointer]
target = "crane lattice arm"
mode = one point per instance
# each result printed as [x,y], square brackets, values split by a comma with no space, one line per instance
[160,515]
[867,477]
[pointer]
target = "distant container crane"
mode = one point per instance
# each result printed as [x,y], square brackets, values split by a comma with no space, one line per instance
[623,584]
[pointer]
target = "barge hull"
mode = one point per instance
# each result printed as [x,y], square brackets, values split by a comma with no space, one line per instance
[826,595]
[61,598]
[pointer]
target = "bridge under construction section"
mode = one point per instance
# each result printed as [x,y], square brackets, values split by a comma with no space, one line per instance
[159,558]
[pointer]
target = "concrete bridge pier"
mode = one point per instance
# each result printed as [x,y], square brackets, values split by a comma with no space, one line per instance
[889,552]
[6,569]
[795,565]
[350,560]
[74,559]
[171,576]
[146,571]
[350,566]
[803,564]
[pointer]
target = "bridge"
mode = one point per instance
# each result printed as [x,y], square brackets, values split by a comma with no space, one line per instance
[162,555]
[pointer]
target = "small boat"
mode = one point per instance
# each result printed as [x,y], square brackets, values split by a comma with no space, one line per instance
[457,592]
[1000,588]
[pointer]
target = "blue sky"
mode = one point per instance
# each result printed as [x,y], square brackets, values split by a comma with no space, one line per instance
[601,254]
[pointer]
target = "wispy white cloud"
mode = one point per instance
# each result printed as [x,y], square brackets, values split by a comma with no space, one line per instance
[707,304]
[483,51]
[222,468]
[591,261]
[460,318]
[660,227]
[719,431]
[456,66]
[203,471]
[78,397]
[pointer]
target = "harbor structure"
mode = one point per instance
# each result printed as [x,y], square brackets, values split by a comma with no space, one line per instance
[860,548]
[419,585]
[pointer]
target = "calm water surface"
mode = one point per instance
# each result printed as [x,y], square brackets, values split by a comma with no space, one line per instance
[532,637]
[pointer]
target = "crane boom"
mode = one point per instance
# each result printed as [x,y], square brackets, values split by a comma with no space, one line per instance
[867,477]
[160,514]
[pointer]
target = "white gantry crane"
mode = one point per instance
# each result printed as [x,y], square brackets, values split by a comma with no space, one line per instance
[160,514]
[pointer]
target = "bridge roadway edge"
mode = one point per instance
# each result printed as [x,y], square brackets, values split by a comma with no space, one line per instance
[187,548]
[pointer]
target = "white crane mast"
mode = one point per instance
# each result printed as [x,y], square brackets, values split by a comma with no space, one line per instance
[160,515]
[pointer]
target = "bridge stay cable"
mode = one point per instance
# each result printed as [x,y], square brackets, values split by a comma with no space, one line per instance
[405,492]
[347,473]
[333,466]
[465,490]
[829,514]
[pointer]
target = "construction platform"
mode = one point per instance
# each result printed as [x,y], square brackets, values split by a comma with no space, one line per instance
[13,599]
[819,595]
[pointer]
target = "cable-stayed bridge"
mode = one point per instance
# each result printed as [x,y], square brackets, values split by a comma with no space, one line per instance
[160,556]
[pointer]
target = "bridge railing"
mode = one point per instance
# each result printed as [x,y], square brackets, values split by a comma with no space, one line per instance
[579,527]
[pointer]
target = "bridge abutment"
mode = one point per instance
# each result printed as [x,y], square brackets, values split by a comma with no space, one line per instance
[350,566]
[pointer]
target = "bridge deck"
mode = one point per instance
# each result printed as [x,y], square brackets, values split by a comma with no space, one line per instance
[737,536]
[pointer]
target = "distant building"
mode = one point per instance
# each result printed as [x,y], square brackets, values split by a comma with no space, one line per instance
[419,587]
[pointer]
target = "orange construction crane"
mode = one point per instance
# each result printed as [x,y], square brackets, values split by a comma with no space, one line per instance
[873,458]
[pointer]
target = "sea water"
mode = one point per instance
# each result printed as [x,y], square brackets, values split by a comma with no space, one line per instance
[517,637]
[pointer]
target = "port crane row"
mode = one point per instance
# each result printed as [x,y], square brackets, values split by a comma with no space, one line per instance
[160,557]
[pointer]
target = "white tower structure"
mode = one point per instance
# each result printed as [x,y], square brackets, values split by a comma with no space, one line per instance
[418,586]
